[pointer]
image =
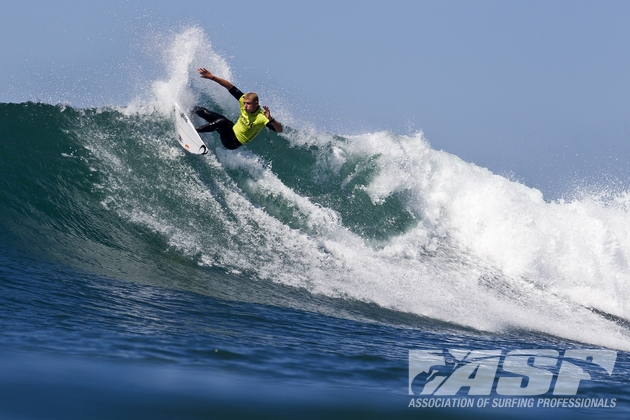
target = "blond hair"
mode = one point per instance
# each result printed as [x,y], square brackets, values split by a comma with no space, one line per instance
[251,96]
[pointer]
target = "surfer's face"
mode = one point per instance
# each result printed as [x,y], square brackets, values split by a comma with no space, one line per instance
[250,106]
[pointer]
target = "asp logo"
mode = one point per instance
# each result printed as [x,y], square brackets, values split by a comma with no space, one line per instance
[519,372]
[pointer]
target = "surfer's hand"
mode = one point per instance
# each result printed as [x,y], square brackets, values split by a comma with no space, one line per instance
[205,73]
[276,125]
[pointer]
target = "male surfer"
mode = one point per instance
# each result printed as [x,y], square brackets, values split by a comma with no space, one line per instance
[251,121]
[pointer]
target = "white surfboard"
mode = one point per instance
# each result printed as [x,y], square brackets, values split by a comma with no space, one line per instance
[186,133]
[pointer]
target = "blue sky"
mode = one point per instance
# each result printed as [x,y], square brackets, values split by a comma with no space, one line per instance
[540,89]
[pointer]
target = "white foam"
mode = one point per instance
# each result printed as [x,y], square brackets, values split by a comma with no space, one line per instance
[486,225]
[489,253]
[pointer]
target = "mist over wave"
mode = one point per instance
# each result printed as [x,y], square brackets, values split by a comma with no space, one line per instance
[376,217]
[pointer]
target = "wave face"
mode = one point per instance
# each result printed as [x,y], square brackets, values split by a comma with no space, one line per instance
[377,218]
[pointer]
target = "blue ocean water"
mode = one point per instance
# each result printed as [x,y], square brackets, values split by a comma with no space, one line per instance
[289,278]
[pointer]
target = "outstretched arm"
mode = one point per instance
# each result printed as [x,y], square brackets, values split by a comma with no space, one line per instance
[207,75]
[276,125]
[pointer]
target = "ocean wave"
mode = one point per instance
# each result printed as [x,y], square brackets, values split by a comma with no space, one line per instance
[375,217]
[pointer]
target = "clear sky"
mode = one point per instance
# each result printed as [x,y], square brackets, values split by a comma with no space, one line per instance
[540,89]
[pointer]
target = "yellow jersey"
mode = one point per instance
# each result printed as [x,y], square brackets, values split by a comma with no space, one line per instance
[249,125]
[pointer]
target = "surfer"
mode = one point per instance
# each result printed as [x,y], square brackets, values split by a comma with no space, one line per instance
[251,121]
